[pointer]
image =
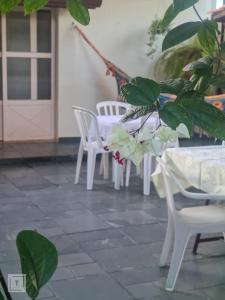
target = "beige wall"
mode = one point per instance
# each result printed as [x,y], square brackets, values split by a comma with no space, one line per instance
[119,30]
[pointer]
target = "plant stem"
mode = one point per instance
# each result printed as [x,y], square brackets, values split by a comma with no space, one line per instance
[4,286]
[197,13]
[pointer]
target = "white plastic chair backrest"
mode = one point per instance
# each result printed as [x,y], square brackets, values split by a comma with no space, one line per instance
[110,108]
[86,118]
[169,178]
[223,143]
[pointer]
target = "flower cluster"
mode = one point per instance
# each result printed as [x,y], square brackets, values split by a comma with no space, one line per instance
[134,146]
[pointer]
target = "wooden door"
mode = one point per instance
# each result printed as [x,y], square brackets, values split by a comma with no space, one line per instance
[28,76]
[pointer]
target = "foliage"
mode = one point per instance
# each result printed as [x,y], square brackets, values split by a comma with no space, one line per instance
[189,107]
[76,8]
[38,258]
[155,29]
[171,63]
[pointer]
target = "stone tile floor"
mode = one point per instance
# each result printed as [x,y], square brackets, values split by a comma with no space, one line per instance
[108,241]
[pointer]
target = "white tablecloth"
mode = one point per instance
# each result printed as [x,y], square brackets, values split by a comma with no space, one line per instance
[106,124]
[200,167]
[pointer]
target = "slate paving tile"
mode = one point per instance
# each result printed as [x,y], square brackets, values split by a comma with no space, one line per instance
[82,271]
[147,233]
[117,259]
[65,245]
[128,218]
[106,243]
[9,190]
[144,290]
[81,222]
[139,275]
[63,273]
[74,259]
[215,293]
[95,235]
[91,288]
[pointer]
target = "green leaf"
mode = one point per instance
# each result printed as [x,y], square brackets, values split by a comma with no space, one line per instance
[207,36]
[218,81]
[204,63]
[138,112]
[175,86]
[33,5]
[181,5]
[1,296]
[6,6]
[173,114]
[205,116]
[79,11]
[174,9]
[141,92]
[222,47]
[38,257]
[180,34]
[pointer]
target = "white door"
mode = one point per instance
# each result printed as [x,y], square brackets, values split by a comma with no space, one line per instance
[28,76]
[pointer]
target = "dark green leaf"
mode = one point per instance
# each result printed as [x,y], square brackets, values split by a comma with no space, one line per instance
[172,113]
[204,63]
[138,112]
[38,257]
[218,81]
[141,92]
[1,296]
[78,11]
[33,5]
[223,47]
[206,116]
[203,83]
[174,9]
[207,36]
[181,5]
[175,86]
[6,6]
[180,33]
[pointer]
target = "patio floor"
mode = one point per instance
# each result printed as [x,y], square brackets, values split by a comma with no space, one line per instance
[108,241]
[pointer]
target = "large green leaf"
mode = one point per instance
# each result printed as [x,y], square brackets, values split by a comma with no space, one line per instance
[207,36]
[172,113]
[33,5]
[138,112]
[175,86]
[38,257]
[180,33]
[204,63]
[1,296]
[141,92]
[78,11]
[8,5]
[174,9]
[205,116]
[181,5]
[218,81]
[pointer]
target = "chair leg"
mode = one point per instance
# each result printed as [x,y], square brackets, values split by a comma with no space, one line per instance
[101,168]
[181,240]
[147,171]
[105,165]
[91,168]
[79,161]
[117,176]
[167,243]
[128,168]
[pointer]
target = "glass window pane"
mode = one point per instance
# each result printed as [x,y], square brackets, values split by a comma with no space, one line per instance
[44,78]
[44,31]
[0,78]
[18,32]
[19,78]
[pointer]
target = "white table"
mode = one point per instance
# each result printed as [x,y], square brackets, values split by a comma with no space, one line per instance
[106,123]
[200,167]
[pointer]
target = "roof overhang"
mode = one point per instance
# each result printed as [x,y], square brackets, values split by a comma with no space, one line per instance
[62,3]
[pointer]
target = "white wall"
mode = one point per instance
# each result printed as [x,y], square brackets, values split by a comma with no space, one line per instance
[119,31]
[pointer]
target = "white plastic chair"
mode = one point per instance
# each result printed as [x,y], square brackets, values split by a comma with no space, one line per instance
[111,108]
[93,145]
[187,222]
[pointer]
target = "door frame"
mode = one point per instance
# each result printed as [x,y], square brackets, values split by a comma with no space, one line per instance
[49,105]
